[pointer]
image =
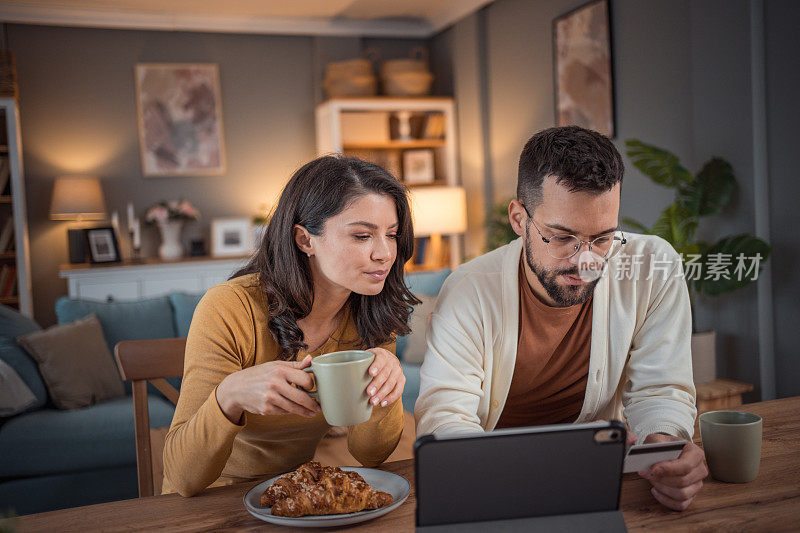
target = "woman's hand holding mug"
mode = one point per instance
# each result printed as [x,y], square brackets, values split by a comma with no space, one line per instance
[388,380]
[268,389]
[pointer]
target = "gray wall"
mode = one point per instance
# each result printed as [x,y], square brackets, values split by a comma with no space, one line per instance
[783,118]
[682,81]
[722,125]
[459,62]
[653,90]
[78,115]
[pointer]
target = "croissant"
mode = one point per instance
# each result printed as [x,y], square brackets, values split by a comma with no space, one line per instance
[291,483]
[336,493]
[306,475]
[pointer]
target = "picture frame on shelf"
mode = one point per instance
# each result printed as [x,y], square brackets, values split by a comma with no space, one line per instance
[231,237]
[102,245]
[419,166]
[179,112]
[583,68]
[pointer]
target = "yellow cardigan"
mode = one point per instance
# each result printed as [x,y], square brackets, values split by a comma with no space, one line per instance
[203,448]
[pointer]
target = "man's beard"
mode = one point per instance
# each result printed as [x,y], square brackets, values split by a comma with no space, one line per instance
[562,295]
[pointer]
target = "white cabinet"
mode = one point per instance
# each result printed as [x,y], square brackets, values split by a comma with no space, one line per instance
[136,281]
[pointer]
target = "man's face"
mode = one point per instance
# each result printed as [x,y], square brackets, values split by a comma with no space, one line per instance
[583,214]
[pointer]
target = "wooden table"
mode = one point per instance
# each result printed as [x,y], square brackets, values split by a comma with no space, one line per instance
[771,502]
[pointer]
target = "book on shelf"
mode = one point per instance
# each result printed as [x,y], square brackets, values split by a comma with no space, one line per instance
[10,285]
[7,273]
[5,174]
[6,234]
[434,126]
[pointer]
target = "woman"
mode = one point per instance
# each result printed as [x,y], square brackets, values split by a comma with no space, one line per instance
[328,276]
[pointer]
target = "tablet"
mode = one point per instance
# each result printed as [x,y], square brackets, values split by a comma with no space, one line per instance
[563,469]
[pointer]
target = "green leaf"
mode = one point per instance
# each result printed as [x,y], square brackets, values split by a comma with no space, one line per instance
[498,228]
[661,166]
[676,225]
[711,190]
[635,226]
[733,258]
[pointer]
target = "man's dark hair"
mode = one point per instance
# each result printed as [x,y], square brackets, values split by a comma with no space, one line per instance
[580,159]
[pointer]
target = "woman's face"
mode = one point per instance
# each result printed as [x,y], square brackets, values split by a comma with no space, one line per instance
[358,246]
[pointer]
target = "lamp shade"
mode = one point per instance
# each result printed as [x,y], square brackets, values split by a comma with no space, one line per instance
[438,210]
[77,198]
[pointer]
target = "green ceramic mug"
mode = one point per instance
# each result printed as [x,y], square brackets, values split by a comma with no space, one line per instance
[732,443]
[341,380]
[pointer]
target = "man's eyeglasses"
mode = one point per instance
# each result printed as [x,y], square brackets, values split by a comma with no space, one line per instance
[565,245]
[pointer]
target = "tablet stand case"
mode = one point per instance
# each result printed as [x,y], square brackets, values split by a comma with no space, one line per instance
[514,476]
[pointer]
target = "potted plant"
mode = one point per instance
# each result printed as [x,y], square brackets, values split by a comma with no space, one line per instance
[711,269]
[498,227]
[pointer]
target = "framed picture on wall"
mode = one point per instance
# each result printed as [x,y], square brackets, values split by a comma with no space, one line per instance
[102,245]
[180,119]
[231,237]
[582,68]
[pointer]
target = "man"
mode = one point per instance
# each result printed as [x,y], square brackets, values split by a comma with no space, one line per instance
[532,334]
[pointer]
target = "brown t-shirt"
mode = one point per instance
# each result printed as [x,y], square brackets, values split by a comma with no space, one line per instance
[552,365]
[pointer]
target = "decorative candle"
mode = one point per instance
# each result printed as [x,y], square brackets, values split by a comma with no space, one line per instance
[137,242]
[115,221]
[131,220]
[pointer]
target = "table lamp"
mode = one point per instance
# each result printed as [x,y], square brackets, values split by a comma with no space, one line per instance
[78,198]
[438,211]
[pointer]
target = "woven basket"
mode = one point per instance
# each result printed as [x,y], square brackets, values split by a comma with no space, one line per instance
[348,68]
[351,86]
[417,62]
[407,83]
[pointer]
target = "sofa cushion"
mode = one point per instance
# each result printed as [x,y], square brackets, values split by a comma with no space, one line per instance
[75,363]
[18,359]
[183,305]
[427,282]
[421,283]
[411,390]
[50,441]
[415,346]
[15,396]
[122,321]
[13,324]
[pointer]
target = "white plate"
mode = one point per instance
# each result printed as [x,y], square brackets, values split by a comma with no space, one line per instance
[380,480]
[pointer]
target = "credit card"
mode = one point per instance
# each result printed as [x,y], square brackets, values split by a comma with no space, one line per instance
[643,456]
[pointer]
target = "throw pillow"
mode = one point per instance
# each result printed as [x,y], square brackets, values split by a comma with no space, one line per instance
[13,324]
[183,305]
[122,321]
[416,344]
[15,396]
[25,367]
[75,363]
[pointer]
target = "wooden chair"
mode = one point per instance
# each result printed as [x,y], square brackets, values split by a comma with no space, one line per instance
[142,361]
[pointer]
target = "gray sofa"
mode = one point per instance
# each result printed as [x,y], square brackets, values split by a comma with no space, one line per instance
[52,459]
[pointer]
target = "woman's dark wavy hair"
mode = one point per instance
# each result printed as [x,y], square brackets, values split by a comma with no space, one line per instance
[319,190]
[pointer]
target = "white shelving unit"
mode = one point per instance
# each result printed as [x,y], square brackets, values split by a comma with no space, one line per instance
[13,205]
[331,138]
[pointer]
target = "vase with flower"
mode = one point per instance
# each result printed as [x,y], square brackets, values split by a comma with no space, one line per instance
[169,217]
